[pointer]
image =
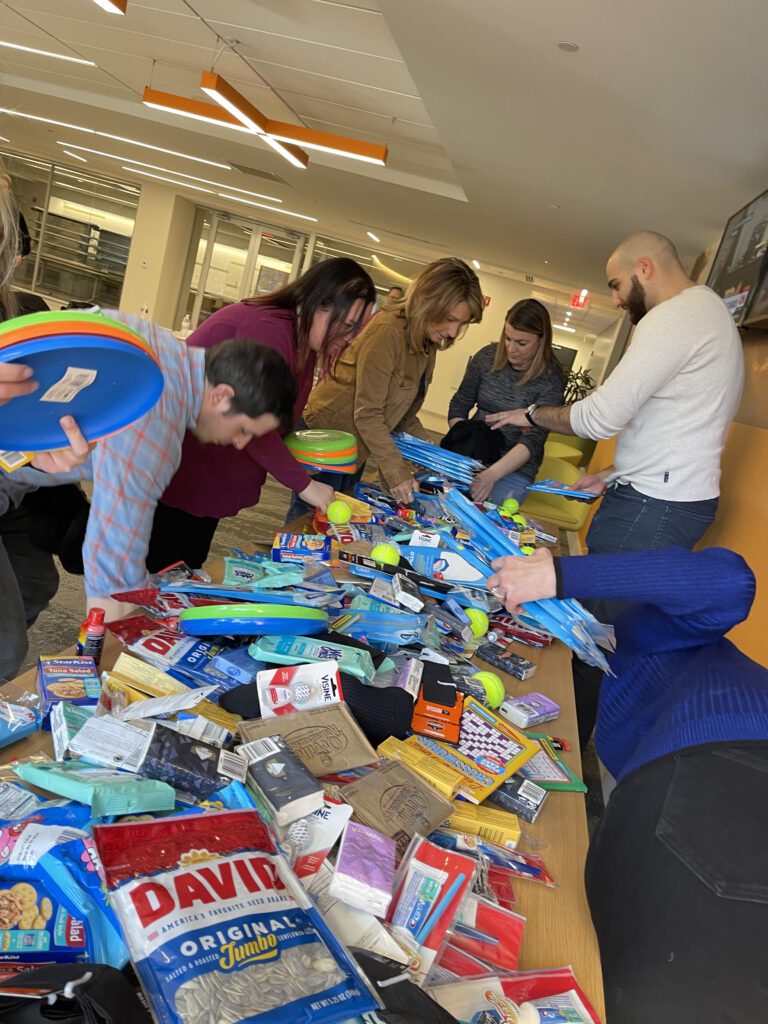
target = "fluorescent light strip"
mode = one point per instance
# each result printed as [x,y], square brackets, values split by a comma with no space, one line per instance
[115,138]
[47,53]
[558,327]
[112,6]
[475,264]
[263,206]
[228,97]
[290,153]
[3,139]
[76,156]
[374,238]
[305,144]
[167,170]
[98,195]
[171,181]
[197,117]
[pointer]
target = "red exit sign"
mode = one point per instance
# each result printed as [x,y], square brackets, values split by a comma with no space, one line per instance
[579,299]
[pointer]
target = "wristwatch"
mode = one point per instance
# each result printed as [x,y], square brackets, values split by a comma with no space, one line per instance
[529,414]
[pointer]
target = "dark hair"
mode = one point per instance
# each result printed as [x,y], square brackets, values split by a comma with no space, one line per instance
[333,284]
[532,316]
[260,377]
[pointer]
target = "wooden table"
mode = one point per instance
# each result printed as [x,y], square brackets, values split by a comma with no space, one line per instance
[559,930]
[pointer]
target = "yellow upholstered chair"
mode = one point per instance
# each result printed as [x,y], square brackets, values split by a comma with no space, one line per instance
[566,452]
[562,512]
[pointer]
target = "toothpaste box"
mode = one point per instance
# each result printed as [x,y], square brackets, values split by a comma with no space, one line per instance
[297,547]
[72,679]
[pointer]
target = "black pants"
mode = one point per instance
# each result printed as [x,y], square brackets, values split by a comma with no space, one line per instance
[179,537]
[677,882]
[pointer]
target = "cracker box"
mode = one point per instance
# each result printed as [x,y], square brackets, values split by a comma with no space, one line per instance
[297,547]
[72,679]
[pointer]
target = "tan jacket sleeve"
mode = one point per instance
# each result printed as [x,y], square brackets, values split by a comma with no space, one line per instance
[376,361]
[411,423]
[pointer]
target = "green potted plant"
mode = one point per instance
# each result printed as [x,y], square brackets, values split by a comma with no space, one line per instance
[578,384]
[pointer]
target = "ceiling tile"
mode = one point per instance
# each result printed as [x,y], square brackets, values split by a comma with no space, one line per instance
[356,28]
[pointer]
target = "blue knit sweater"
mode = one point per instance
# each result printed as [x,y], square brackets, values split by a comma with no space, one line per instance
[678,682]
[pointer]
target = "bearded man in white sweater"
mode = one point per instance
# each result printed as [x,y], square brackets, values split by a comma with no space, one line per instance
[670,399]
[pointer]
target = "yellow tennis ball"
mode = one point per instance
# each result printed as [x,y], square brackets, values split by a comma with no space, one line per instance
[526,549]
[510,506]
[339,513]
[494,688]
[520,520]
[478,621]
[386,553]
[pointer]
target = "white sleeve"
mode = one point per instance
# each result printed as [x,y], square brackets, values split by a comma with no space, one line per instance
[658,352]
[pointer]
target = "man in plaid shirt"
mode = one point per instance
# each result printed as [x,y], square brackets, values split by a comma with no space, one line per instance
[225,395]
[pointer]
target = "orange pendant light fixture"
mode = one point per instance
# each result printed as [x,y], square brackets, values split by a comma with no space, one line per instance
[233,110]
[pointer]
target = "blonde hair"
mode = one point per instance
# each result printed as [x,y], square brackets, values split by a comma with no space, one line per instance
[531,316]
[9,242]
[435,292]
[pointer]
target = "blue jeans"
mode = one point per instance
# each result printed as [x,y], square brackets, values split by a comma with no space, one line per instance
[511,486]
[344,482]
[628,520]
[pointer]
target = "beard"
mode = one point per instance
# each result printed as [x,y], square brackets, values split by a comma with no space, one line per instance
[635,303]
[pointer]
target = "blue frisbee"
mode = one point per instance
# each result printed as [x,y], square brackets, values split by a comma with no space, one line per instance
[106,383]
[253,620]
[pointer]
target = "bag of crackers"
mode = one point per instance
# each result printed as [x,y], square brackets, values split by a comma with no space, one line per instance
[52,908]
[218,925]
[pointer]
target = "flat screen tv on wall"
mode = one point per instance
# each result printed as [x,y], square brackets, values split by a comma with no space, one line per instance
[741,257]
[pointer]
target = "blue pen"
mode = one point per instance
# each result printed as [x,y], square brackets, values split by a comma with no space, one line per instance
[476,934]
[442,906]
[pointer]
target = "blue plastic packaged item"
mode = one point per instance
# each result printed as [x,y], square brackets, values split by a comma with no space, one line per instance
[219,927]
[51,904]
[16,722]
[376,627]
[238,665]
[296,650]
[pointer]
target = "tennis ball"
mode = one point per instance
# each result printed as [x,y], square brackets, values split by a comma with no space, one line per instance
[526,549]
[510,506]
[520,520]
[339,513]
[494,688]
[386,553]
[478,621]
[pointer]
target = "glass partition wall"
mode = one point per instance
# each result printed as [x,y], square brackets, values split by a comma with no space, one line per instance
[80,227]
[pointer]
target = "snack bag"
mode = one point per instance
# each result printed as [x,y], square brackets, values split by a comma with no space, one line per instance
[50,911]
[214,916]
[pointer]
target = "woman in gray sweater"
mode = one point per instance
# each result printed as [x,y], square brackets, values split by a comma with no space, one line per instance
[518,371]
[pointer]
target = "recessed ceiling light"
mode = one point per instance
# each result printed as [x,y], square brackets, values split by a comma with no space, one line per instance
[374,238]
[546,261]
[47,53]
[3,139]
[555,206]
[76,156]
[475,264]
[567,47]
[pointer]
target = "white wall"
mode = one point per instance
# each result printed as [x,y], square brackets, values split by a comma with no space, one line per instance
[449,370]
[161,239]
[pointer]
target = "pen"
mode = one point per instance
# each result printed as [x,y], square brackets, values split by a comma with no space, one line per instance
[476,934]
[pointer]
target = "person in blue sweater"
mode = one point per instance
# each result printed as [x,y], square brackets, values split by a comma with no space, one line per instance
[677,871]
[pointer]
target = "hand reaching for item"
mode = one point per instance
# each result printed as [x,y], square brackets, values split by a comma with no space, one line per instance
[318,494]
[405,490]
[518,580]
[483,484]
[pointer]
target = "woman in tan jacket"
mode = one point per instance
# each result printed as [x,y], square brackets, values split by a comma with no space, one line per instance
[380,381]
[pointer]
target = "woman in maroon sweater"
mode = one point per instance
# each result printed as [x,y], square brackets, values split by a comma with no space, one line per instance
[309,322]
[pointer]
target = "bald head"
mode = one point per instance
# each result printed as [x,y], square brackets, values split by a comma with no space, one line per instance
[644,271]
[650,245]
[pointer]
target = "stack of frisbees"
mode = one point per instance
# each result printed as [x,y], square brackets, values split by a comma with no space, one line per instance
[87,366]
[332,450]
